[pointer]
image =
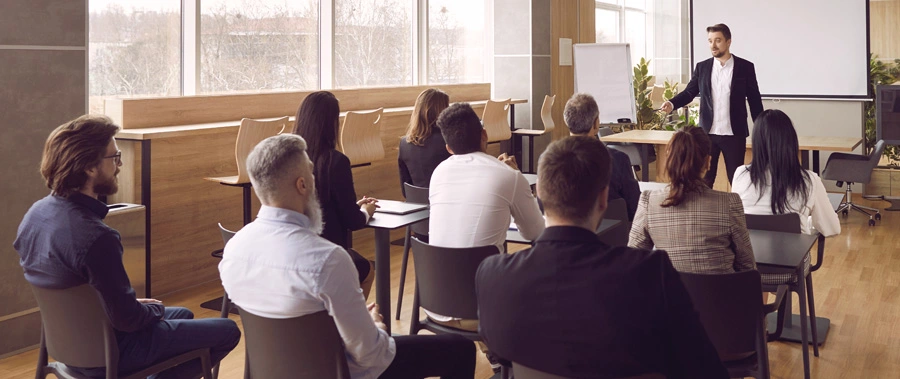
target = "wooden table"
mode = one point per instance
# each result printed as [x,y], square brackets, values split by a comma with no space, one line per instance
[787,251]
[383,223]
[646,138]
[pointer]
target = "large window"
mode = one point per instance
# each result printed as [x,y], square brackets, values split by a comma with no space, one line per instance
[456,41]
[656,30]
[372,43]
[134,49]
[188,47]
[253,45]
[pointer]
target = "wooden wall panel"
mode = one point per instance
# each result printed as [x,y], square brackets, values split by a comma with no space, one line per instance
[575,20]
[185,110]
[884,28]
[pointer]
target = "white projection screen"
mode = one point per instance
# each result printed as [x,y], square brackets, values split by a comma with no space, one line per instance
[800,48]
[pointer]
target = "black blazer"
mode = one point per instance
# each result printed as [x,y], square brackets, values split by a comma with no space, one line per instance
[743,88]
[622,183]
[576,307]
[417,163]
[339,209]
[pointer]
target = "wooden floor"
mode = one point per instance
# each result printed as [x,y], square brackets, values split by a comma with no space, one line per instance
[858,288]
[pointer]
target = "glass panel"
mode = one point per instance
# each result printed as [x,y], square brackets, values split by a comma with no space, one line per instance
[613,2]
[134,49]
[607,24]
[639,4]
[455,41]
[636,35]
[372,43]
[258,45]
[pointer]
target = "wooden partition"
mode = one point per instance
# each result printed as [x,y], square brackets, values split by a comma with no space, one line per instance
[188,138]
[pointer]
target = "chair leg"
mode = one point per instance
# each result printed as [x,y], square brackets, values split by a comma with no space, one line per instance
[226,305]
[403,265]
[246,363]
[205,364]
[812,314]
[804,339]
[41,371]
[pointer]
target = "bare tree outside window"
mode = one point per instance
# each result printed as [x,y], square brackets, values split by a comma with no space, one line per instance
[455,41]
[249,46]
[372,43]
[134,49]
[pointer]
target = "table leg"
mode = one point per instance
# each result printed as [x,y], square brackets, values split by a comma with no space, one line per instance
[815,159]
[145,200]
[804,159]
[645,161]
[247,204]
[516,150]
[383,274]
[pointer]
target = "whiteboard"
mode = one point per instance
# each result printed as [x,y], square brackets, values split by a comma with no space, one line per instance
[603,70]
[800,48]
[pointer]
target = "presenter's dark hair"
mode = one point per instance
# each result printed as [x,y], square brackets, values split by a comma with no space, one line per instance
[775,164]
[461,128]
[688,151]
[73,148]
[721,28]
[317,122]
[572,172]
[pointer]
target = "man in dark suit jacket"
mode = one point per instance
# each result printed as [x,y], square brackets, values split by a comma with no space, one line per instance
[582,116]
[576,307]
[724,82]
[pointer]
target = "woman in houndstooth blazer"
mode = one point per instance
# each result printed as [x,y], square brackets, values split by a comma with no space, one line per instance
[704,231]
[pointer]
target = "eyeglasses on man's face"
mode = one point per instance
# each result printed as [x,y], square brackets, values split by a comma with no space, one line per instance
[117,156]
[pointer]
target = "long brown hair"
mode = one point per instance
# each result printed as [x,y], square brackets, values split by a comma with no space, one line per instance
[688,152]
[73,148]
[317,122]
[430,103]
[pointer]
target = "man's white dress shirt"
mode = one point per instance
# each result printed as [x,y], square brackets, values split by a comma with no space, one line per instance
[721,96]
[276,267]
[472,197]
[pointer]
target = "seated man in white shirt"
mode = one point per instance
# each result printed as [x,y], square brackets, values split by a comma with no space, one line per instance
[473,195]
[278,267]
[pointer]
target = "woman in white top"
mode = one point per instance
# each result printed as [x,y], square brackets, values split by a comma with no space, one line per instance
[774,182]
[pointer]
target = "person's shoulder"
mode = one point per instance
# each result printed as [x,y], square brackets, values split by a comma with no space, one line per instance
[498,266]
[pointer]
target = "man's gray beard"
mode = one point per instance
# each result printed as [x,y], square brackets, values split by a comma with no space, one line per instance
[314,212]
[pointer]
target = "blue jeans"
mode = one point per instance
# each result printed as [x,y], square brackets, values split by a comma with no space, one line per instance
[176,334]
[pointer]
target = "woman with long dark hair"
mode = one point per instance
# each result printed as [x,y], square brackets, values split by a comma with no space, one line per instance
[317,122]
[423,147]
[775,183]
[704,231]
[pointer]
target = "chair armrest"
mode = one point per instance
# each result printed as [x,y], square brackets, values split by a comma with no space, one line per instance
[218,253]
[780,305]
[820,253]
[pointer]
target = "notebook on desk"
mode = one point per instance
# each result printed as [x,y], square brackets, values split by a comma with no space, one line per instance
[399,207]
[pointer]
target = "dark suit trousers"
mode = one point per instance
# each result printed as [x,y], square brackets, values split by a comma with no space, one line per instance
[732,148]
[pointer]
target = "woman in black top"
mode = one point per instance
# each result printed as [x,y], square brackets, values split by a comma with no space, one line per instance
[423,147]
[317,122]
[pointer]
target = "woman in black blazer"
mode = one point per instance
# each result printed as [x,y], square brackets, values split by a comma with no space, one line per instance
[423,147]
[317,122]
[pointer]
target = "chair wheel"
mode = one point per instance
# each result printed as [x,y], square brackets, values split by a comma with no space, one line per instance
[871,222]
[878,216]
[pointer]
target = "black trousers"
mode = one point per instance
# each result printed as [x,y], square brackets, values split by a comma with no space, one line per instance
[732,148]
[446,356]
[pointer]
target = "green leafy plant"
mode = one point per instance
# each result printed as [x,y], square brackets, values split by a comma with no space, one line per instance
[687,118]
[647,117]
[880,73]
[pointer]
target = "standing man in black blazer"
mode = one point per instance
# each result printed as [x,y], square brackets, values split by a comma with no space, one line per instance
[723,82]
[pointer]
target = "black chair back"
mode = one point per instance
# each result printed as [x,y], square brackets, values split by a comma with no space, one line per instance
[418,195]
[616,209]
[445,278]
[300,347]
[730,308]
[75,327]
[788,222]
